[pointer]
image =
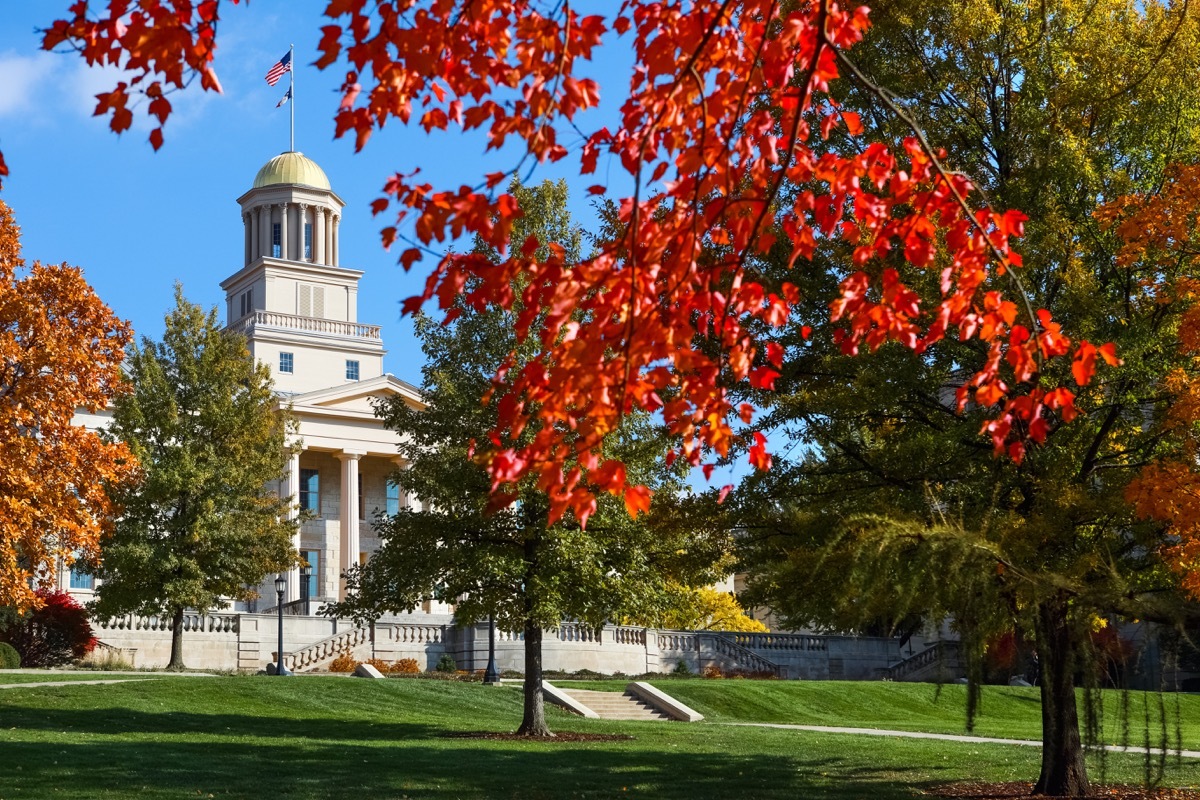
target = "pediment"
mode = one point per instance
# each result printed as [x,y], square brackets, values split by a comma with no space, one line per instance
[357,397]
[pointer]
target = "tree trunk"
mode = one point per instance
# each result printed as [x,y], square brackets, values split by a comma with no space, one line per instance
[1064,773]
[534,721]
[176,661]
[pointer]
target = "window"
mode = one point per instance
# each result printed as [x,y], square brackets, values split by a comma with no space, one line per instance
[310,491]
[246,303]
[80,580]
[351,370]
[308,588]
[276,240]
[308,240]
[393,499]
[286,363]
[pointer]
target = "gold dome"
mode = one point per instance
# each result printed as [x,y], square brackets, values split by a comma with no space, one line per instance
[291,167]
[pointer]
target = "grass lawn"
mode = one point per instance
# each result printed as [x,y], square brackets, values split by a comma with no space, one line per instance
[47,676]
[317,737]
[1007,712]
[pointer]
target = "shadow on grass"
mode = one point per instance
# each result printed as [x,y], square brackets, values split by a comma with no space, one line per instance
[117,754]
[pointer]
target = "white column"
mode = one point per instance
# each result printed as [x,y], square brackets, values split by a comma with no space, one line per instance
[329,259]
[302,216]
[254,235]
[246,236]
[319,235]
[293,491]
[335,259]
[264,230]
[349,515]
[283,231]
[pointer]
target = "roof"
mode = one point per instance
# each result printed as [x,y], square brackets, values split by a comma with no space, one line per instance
[291,167]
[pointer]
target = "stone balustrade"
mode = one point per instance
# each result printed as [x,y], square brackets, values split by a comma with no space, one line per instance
[294,322]
[192,623]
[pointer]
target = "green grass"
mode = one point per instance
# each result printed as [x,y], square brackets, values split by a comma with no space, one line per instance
[316,737]
[60,676]
[1006,711]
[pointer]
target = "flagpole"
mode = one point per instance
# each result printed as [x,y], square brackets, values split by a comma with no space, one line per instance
[292,92]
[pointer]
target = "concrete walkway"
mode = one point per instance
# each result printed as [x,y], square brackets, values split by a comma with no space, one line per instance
[947,737]
[126,677]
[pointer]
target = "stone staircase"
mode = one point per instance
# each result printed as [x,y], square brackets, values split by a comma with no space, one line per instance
[941,662]
[610,705]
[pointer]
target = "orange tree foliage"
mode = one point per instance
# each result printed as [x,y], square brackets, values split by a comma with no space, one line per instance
[60,349]
[728,103]
[1161,232]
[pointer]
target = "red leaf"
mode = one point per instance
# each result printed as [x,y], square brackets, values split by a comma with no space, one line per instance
[1084,365]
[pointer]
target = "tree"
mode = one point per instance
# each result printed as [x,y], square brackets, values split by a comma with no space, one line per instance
[891,505]
[515,562]
[205,524]
[729,102]
[56,633]
[703,609]
[60,350]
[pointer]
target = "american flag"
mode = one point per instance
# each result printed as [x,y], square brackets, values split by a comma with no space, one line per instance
[281,66]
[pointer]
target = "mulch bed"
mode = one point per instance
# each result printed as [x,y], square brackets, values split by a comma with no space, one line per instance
[1001,791]
[560,736]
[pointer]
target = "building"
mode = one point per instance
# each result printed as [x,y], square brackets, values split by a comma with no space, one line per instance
[298,308]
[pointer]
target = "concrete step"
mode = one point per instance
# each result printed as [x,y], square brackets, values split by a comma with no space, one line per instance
[611,705]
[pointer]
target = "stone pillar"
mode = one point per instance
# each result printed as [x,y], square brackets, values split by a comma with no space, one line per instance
[283,231]
[302,216]
[264,230]
[329,239]
[318,235]
[254,235]
[349,515]
[336,257]
[246,236]
[293,491]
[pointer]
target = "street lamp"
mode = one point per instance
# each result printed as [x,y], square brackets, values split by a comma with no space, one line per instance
[491,676]
[305,574]
[280,588]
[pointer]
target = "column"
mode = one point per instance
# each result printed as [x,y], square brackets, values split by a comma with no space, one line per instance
[246,236]
[254,235]
[293,492]
[264,230]
[335,260]
[318,235]
[283,231]
[301,255]
[349,514]
[329,259]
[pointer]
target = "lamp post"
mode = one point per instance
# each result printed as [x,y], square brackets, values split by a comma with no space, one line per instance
[305,574]
[491,676]
[280,588]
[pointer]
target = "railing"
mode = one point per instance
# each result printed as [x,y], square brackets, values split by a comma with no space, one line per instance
[943,654]
[296,608]
[577,632]
[626,635]
[319,653]
[193,622]
[781,641]
[274,319]
[721,644]
[309,657]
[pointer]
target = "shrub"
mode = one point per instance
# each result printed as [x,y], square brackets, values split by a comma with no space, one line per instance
[9,657]
[55,634]
[711,671]
[681,668]
[344,663]
[446,663]
[406,666]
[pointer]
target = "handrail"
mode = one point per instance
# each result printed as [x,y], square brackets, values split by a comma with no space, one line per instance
[938,653]
[276,319]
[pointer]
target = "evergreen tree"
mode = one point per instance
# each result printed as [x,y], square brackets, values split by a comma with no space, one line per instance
[204,525]
[510,561]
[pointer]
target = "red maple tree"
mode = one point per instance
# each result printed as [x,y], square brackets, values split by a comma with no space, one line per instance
[723,134]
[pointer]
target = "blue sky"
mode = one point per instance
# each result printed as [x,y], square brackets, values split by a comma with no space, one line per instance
[137,221]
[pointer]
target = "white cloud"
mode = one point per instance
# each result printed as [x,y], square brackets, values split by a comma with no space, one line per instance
[24,81]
